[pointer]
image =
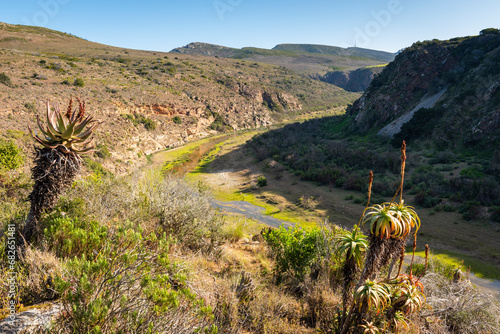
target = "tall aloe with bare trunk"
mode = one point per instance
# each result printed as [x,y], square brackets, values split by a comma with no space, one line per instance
[58,161]
[390,225]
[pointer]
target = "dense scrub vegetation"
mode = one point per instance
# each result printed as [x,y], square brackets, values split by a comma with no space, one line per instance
[320,150]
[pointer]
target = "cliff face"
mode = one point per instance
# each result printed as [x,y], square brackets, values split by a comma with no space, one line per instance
[458,79]
[353,81]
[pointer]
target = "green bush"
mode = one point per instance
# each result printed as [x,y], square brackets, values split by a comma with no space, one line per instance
[261,181]
[219,123]
[5,79]
[96,167]
[295,250]
[74,237]
[11,156]
[470,210]
[149,124]
[137,119]
[102,151]
[79,82]
[129,283]
[30,107]
[176,120]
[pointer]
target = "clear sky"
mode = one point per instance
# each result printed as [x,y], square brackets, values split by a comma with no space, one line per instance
[388,25]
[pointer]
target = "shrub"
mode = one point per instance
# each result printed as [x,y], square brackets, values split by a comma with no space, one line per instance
[261,181]
[129,284]
[79,82]
[149,124]
[68,237]
[470,210]
[102,151]
[464,308]
[11,156]
[30,107]
[219,123]
[137,119]
[309,202]
[5,79]
[495,214]
[295,251]
[177,120]
[182,211]
[96,167]
[35,274]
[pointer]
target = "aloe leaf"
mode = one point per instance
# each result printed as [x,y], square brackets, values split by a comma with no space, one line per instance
[60,123]
[82,125]
[69,131]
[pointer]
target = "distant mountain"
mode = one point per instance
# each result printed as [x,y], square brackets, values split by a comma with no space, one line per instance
[335,50]
[446,91]
[320,62]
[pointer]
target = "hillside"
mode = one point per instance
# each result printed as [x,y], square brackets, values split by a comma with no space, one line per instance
[335,50]
[462,75]
[354,81]
[316,61]
[149,100]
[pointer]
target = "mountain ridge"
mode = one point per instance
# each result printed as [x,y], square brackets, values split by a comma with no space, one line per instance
[331,64]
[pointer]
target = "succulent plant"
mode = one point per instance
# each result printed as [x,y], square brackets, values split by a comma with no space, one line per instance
[58,162]
[390,220]
[69,132]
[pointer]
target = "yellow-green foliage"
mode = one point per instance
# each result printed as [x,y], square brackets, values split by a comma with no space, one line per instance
[11,157]
[68,237]
[129,283]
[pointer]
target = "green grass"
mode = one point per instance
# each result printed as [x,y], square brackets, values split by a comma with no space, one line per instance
[380,65]
[479,268]
[269,209]
[177,156]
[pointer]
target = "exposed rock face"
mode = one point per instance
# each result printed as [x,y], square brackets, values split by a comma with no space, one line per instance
[353,81]
[467,73]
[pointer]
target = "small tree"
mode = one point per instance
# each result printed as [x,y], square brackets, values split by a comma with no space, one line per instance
[58,161]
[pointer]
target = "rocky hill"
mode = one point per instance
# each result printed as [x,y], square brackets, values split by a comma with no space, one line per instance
[444,91]
[148,100]
[332,64]
[353,81]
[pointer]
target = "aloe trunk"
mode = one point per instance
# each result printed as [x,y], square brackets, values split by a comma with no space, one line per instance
[53,172]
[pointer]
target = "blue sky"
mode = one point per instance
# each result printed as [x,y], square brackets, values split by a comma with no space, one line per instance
[387,25]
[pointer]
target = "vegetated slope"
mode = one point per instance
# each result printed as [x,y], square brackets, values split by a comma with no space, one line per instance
[453,139]
[335,50]
[148,100]
[316,61]
[467,115]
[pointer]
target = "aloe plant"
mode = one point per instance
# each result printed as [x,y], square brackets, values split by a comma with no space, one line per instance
[391,220]
[372,294]
[58,161]
[353,244]
[68,134]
